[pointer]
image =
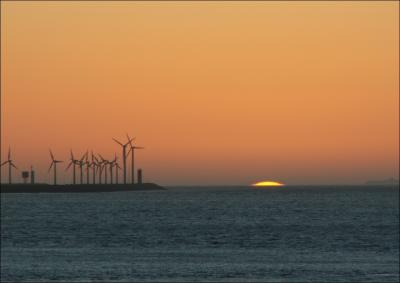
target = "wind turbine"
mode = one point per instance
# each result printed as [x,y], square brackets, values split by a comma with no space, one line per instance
[100,167]
[10,165]
[112,164]
[132,151]
[88,164]
[104,162]
[81,163]
[73,162]
[54,162]
[94,166]
[123,155]
[117,168]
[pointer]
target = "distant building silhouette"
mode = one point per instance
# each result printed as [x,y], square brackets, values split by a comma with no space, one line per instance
[25,176]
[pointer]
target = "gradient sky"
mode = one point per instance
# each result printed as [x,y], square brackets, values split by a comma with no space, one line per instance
[217,92]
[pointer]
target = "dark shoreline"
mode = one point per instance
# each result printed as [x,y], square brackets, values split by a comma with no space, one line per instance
[85,188]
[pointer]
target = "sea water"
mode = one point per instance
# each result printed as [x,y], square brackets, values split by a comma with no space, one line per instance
[294,234]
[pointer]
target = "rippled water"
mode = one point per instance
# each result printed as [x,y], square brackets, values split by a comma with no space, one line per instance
[203,234]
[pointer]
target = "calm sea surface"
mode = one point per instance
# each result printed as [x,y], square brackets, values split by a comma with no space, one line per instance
[321,234]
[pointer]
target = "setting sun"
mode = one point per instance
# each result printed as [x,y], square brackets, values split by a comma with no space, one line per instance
[268,184]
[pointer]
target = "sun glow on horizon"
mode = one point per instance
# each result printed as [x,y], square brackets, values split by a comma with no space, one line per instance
[267,184]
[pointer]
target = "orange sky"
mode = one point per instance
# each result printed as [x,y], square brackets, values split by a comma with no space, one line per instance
[217,92]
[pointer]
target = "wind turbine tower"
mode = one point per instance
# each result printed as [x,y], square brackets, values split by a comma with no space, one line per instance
[81,163]
[117,168]
[105,162]
[132,151]
[54,162]
[112,164]
[94,166]
[123,155]
[88,164]
[73,162]
[100,168]
[10,165]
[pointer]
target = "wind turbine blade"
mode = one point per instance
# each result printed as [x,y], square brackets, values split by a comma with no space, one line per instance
[69,165]
[130,149]
[5,162]
[12,164]
[51,154]
[9,153]
[83,157]
[129,140]
[117,141]
[72,155]
[51,165]
[139,147]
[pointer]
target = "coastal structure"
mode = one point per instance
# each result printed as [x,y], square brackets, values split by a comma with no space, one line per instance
[97,164]
[139,171]
[32,176]
[25,176]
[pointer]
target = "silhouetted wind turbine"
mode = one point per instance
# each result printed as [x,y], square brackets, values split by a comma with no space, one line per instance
[132,151]
[54,162]
[112,164]
[94,166]
[88,164]
[123,155]
[81,163]
[10,165]
[105,162]
[117,168]
[100,167]
[73,162]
